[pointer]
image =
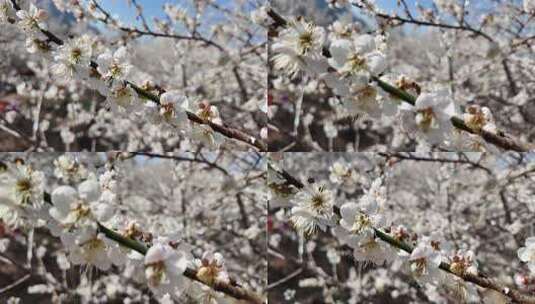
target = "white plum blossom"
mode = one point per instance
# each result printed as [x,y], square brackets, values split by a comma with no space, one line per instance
[376,194]
[78,208]
[205,111]
[463,263]
[479,118]
[370,249]
[340,173]
[22,183]
[91,248]
[114,65]
[313,209]
[527,253]
[173,107]
[362,99]
[361,220]
[211,268]
[358,59]
[69,169]
[21,194]
[424,262]
[299,47]
[206,135]
[164,269]
[260,16]
[72,59]
[433,112]
[32,20]
[122,97]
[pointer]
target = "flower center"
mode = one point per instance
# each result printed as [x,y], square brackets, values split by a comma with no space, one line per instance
[367,94]
[94,244]
[76,55]
[33,23]
[115,70]
[80,211]
[356,62]
[476,119]
[419,265]
[435,245]
[362,221]
[317,201]
[305,42]
[370,245]
[156,273]
[168,111]
[208,274]
[425,118]
[205,112]
[23,187]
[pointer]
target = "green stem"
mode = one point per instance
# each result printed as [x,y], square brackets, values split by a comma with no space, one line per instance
[392,241]
[401,94]
[124,241]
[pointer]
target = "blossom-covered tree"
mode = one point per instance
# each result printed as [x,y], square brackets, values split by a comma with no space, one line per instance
[132,228]
[401,228]
[75,77]
[358,75]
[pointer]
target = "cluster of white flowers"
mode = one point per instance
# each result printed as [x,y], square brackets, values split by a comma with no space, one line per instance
[354,66]
[79,213]
[361,226]
[81,59]
[358,223]
[67,168]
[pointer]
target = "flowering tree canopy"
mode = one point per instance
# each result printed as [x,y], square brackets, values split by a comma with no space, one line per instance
[401,227]
[95,83]
[444,74]
[138,226]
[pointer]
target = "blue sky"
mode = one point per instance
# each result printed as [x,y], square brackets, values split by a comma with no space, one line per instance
[151,8]
[154,7]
